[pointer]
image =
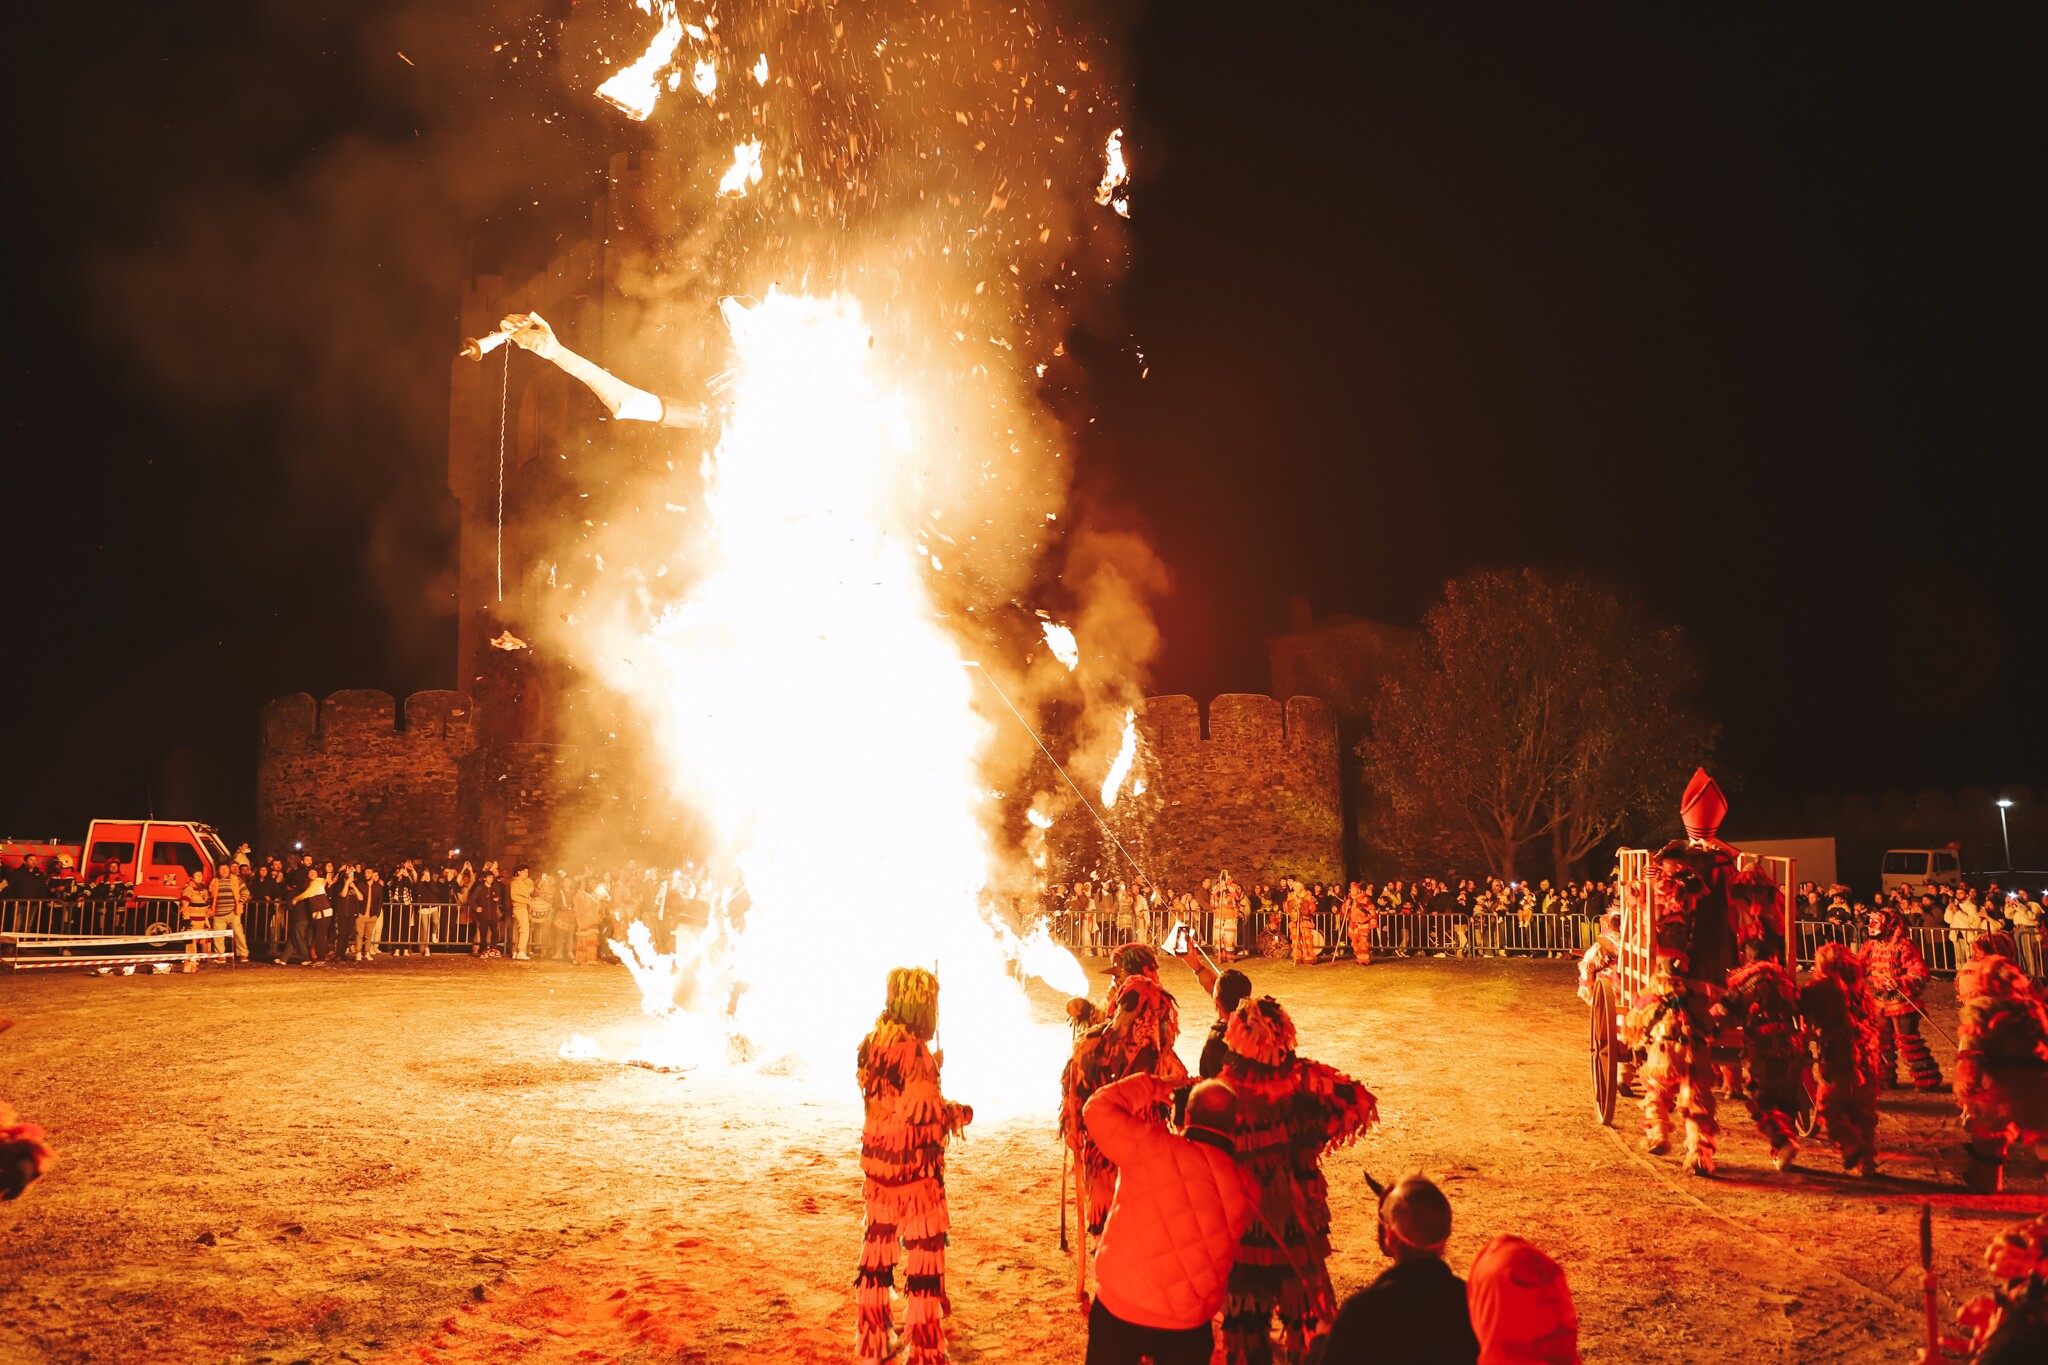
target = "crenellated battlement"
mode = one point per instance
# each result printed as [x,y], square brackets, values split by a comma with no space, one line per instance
[1255,788]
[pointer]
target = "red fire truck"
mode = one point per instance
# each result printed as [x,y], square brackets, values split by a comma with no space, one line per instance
[159,858]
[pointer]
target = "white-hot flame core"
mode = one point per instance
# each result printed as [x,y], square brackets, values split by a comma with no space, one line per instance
[1060,640]
[635,89]
[1115,175]
[744,171]
[810,704]
[1126,755]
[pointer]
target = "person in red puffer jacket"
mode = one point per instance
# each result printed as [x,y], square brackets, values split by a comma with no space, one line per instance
[1182,1203]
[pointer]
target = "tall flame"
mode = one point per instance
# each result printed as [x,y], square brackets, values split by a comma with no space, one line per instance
[1126,755]
[857,833]
[1116,177]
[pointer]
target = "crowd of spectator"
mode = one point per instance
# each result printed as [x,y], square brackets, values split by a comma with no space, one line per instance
[1429,915]
[303,910]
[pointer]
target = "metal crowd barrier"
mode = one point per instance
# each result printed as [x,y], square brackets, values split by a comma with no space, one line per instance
[1509,935]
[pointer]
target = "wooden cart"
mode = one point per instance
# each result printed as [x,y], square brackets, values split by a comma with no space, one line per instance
[1616,992]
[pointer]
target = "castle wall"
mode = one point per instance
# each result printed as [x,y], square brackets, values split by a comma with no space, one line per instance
[1257,794]
[342,777]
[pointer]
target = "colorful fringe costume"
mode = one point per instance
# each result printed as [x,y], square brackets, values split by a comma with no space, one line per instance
[1301,926]
[903,1162]
[1763,1000]
[1841,1036]
[1290,1111]
[2001,1060]
[1601,959]
[23,1157]
[1361,917]
[1142,1025]
[1897,974]
[1226,905]
[1695,943]
[2011,1322]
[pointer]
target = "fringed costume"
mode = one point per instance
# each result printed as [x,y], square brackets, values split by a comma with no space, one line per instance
[2001,1060]
[1301,926]
[1290,1111]
[903,1164]
[1897,974]
[1361,917]
[1694,941]
[1226,906]
[23,1157]
[1140,1026]
[1841,1036]
[1601,959]
[2010,1323]
[1763,1000]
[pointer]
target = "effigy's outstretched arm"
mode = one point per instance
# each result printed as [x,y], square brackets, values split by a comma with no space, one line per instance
[530,331]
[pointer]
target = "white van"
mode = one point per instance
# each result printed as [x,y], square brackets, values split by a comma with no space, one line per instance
[1916,867]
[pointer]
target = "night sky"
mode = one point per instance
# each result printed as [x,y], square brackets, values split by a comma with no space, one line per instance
[1745,314]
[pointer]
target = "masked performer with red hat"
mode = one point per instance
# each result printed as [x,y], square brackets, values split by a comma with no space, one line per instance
[1841,1037]
[1290,1111]
[1896,975]
[903,1164]
[1132,1035]
[2001,1059]
[1694,945]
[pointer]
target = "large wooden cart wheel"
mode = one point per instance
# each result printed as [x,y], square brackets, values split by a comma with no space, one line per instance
[1605,1052]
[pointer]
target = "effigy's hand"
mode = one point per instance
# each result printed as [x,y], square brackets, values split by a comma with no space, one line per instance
[530,332]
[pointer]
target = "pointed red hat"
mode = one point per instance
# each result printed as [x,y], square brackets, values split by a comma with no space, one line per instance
[1703,808]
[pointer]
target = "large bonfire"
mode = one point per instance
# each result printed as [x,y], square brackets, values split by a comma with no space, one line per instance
[887,211]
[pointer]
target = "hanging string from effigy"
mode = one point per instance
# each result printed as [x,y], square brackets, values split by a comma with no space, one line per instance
[504,389]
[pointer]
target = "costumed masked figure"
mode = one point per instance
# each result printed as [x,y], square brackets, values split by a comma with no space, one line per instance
[903,1165]
[1599,960]
[1290,1111]
[2001,1059]
[1896,975]
[1301,925]
[1763,999]
[1226,906]
[1841,1036]
[23,1157]
[2009,1326]
[1361,917]
[1135,1033]
[1694,947]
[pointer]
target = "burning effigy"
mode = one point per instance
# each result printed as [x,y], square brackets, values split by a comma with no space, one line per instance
[818,606]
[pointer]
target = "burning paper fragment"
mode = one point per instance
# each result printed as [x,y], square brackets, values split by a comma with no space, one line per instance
[745,169]
[635,89]
[1060,640]
[705,78]
[1126,755]
[761,70]
[1116,177]
[508,642]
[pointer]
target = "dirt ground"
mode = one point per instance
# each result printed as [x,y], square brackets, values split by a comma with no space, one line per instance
[392,1164]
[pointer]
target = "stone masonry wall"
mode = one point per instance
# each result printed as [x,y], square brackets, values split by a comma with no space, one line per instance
[1258,794]
[340,775]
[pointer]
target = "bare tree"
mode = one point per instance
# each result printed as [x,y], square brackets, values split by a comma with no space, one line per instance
[1540,707]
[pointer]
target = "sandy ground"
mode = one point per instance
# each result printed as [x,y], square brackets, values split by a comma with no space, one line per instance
[392,1164]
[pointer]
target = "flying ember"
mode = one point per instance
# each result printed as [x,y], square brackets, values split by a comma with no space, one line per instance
[1060,640]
